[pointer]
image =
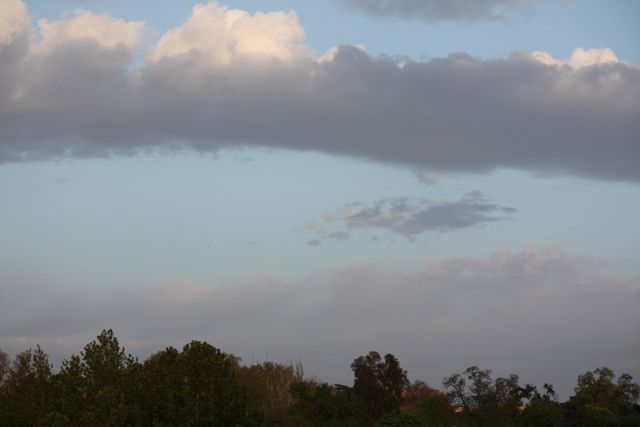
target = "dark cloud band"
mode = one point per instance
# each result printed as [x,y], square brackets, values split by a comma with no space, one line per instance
[83,98]
[442,10]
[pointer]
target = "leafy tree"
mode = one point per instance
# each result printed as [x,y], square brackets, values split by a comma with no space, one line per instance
[321,405]
[268,387]
[71,390]
[26,394]
[103,367]
[378,383]
[483,402]
[431,406]
[212,392]
[543,410]
[104,362]
[162,390]
[600,400]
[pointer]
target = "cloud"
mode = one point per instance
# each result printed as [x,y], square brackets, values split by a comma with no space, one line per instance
[83,25]
[14,21]
[427,178]
[543,313]
[227,79]
[443,10]
[579,58]
[410,219]
[222,36]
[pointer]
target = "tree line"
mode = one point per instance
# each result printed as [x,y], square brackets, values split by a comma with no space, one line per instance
[202,386]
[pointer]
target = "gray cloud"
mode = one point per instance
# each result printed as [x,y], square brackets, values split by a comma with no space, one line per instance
[443,10]
[427,178]
[541,312]
[410,219]
[79,98]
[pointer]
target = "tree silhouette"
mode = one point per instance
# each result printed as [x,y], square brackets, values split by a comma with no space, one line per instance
[378,383]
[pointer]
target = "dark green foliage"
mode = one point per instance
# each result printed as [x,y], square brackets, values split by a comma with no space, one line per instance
[431,406]
[4,365]
[322,405]
[268,388]
[161,389]
[202,386]
[378,383]
[212,393]
[106,387]
[542,412]
[403,419]
[26,394]
[482,402]
[600,400]
[103,369]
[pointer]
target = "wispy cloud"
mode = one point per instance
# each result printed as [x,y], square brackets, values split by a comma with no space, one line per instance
[409,218]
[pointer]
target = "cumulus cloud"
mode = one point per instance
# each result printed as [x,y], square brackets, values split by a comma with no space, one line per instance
[541,312]
[579,58]
[14,21]
[107,31]
[223,35]
[226,78]
[410,219]
[442,10]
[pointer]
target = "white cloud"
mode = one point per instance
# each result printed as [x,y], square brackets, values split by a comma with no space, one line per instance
[83,25]
[223,35]
[579,58]
[14,21]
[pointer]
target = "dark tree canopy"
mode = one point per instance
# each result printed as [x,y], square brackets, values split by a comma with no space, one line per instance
[4,365]
[201,385]
[379,383]
[480,401]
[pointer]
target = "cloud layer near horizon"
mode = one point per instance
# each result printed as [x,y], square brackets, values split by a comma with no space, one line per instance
[226,78]
[443,10]
[541,312]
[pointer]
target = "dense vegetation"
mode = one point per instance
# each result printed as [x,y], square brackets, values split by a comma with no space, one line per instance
[202,386]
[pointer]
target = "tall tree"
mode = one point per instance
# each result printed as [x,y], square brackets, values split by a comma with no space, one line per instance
[162,390]
[26,394]
[103,367]
[213,393]
[378,383]
[601,400]
[268,387]
[71,390]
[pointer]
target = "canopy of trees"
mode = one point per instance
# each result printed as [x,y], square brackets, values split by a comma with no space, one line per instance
[202,386]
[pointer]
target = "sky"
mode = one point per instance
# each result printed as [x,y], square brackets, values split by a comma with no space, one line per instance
[453,183]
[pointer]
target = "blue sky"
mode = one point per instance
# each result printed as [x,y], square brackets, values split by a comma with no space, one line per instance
[213,205]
